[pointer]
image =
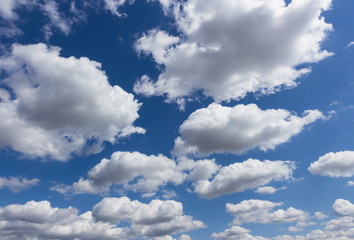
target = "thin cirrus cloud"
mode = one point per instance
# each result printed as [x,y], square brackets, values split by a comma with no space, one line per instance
[230,48]
[338,164]
[56,106]
[39,220]
[238,129]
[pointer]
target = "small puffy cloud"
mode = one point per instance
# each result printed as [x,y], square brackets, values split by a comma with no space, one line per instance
[320,215]
[228,49]
[17,184]
[266,190]
[59,106]
[260,211]
[134,170]
[238,129]
[236,233]
[41,221]
[300,226]
[238,177]
[351,183]
[350,44]
[343,208]
[114,5]
[339,164]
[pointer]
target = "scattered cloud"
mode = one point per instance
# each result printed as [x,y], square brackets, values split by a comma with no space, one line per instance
[59,106]
[238,129]
[38,220]
[17,184]
[266,190]
[236,233]
[114,5]
[339,164]
[350,44]
[238,177]
[228,49]
[259,211]
[320,215]
[343,208]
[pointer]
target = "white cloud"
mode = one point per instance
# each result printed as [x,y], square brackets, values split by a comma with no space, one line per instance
[350,44]
[343,208]
[339,164]
[320,215]
[150,172]
[230,48]
[259,211]
[7,8]
[17,184]
[57,19]
[238,177]
[300,226]
[114,5]
[156,219]
[236,233]
[266,190]
[40,221]
[239,128]
[351,183]
[61,105]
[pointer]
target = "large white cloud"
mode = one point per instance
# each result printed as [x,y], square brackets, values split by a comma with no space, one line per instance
[339,164]
[240,128]
[230,48]
[58,106]
[150,172]
[17,184]
[238,177]
[41,221]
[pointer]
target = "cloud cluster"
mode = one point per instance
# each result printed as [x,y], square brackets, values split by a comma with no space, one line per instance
[240,128]
[56,106]
[339,164]
[17,184]
[39,220]
[228,49]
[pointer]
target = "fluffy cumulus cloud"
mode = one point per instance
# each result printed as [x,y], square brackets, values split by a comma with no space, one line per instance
[236,233]
[240,128]
[343,208]
[134,170]
[39,220]
[242,176]
[230,48]
[266,190]
[261,211]
[55,106]
[339,164]
[17,184]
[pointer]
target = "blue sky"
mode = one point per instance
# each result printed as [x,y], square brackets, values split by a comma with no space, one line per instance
[176,120]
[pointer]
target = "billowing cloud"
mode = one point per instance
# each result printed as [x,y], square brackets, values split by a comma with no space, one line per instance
[339,164]
[343,208]
[240,128]
[39,220]
[260,211]
[230,48]
[238,177]
[150,172]
[17,184]
[59,106]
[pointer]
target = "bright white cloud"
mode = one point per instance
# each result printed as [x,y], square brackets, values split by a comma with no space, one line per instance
[150,172]
[156,219]
[266,190]
[17,184]
[238,177]
[230,48]
[239,128]
[343,208]
[351,183]
[236,233]
[57,19]
[61,105]
[7,7]
[320,215]
[260,211]
[350,44]
[300,226]
[339,164]
[40,221]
